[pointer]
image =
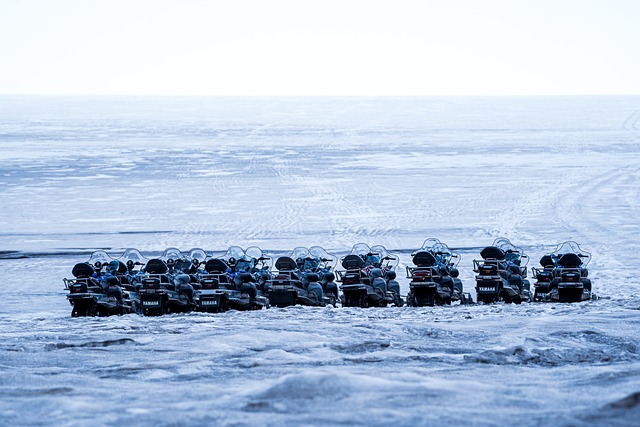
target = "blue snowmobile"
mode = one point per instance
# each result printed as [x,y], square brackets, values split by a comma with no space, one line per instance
[564,275]
[501,273]
[206,276]
[165,285]
[434,276]
[96,289]
[369,277]
[304,277]
[235,280]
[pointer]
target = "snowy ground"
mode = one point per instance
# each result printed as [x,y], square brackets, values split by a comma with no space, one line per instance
[112,173]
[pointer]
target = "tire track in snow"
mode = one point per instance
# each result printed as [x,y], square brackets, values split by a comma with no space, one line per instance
[632,123]
[599,212]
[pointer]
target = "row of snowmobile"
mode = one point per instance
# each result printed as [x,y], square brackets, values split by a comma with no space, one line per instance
[246,279]
[561,277]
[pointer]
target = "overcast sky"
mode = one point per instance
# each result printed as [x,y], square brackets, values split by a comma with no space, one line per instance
[324,47]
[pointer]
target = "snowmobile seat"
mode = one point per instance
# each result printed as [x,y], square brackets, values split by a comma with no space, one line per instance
[352,262]
[424,259]
[246,277]
[492,252]
[312,277]
[547,262]
[286,263]
[215,266]
[82,270]
[570,260]
[122,267]
[156,266]
[112,281]
[328,277]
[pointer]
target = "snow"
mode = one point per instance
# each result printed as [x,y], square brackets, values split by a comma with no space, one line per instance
[85,173]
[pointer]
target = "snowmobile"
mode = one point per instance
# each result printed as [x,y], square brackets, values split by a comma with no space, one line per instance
[304,277]
[325,270]
[206,276]
[165,286]
[285,287]
[564,275]
[434,277]
[234,280]
[130,275]
[215,286]
[501,274]
[368,278]
[95,289]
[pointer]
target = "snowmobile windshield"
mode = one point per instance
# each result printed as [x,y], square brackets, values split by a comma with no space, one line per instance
[441,249]
[380,250]
[258,258]
[571,247]
[441,253]
[134,256]
[454,259]
[254,252]
[320,253]
[505,245]
[197,254]
[99,258]
[430,244]
[383,253]
[234,252]
[300,253]
[361,249]
[512,253]
[172,253]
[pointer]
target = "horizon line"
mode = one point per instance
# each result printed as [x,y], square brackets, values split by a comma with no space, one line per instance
[175,95]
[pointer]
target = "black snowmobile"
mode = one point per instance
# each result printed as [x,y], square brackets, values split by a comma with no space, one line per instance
[215,286]
[434,277]
[165,286]
[564,275]
[303,278]
[206,276]
[501,274]
[285,287]
[96,289]
[235,280]
[368,279]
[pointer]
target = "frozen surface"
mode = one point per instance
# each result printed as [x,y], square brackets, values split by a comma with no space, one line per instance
[84,173]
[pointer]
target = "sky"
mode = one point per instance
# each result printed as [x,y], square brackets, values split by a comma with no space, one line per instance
[325,47]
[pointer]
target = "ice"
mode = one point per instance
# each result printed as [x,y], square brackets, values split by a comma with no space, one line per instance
[80,174]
